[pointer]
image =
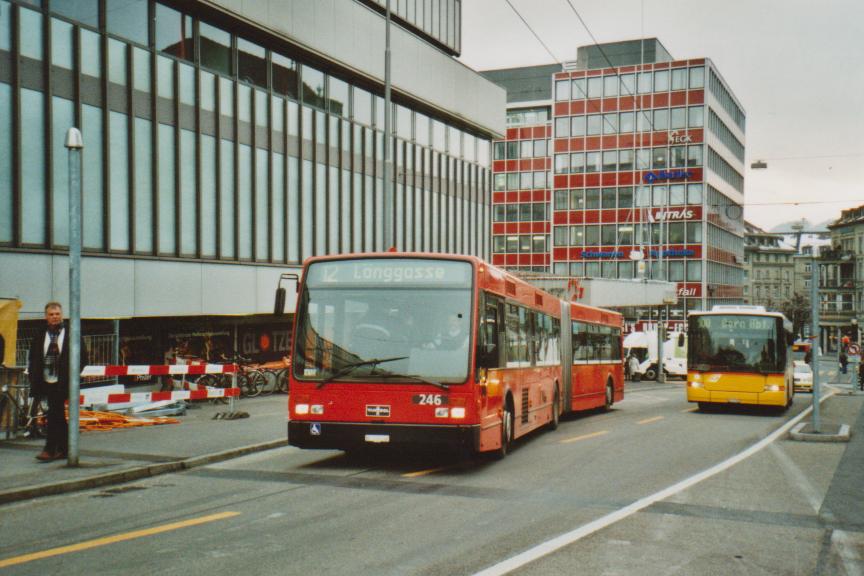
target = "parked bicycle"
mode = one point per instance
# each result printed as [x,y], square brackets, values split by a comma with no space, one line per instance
[22,413]
[249,379]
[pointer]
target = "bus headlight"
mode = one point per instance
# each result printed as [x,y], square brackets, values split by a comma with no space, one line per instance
[301,408]
[457,412]
[317,409]
[694,384]
[775,388]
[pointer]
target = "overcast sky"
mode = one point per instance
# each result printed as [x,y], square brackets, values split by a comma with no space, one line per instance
[797,67]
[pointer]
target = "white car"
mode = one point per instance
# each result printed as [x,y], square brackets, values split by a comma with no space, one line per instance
[802,376]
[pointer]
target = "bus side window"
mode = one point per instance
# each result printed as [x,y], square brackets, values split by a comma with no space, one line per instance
[488,352]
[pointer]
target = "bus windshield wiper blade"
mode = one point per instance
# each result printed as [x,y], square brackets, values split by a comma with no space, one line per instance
[413,377]
[348,368]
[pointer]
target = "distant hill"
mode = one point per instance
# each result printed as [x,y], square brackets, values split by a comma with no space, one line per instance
[786,227]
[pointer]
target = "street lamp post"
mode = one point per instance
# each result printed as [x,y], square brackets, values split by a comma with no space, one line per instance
[388,114]
[74,143]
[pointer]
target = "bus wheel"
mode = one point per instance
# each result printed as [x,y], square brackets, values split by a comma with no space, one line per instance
[650,373]
[556,411]
[610,396]
[506,430]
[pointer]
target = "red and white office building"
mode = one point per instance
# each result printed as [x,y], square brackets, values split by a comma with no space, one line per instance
[624,151]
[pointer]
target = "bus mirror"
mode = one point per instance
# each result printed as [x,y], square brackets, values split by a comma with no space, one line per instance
[282,294]
[681,340]
[279,306]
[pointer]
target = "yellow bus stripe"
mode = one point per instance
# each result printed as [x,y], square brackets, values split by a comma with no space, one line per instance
[114,539]
[650,420]
[584,437]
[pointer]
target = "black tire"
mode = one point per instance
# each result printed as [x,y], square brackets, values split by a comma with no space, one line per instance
[556,411]
[650,373]
[610,396]
[215,381]
[282,381]
[254,382]
[507,421]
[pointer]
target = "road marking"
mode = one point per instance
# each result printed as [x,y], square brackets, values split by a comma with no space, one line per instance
[650,420]
[568,538]
[799,479]
[425,472]
[584,437]
[694,409]
[114,539]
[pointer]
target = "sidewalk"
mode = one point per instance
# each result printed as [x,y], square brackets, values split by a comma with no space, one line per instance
[127,454]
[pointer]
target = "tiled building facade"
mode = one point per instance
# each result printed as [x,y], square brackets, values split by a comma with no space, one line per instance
[639,157]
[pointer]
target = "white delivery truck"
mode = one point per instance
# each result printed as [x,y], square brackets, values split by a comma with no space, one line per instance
[643,345]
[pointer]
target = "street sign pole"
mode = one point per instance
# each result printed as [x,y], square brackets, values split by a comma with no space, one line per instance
[74,143]
[814,350]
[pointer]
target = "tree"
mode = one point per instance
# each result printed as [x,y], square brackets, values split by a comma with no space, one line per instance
[797,310]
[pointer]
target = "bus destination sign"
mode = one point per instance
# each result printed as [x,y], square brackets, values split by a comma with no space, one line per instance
[390,272]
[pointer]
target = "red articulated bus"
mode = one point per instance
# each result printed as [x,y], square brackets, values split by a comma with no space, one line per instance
[425,349]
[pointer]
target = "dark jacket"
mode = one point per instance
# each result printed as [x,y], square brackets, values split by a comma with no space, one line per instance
[36,364]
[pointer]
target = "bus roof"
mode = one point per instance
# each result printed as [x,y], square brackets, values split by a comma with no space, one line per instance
[496,280]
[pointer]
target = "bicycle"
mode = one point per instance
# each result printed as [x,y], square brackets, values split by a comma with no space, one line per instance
[22,412]
[250,380]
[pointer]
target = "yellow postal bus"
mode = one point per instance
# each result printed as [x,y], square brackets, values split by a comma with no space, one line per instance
[739,355]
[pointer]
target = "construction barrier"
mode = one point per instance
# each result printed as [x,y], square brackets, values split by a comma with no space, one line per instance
[96,397]
[159,370]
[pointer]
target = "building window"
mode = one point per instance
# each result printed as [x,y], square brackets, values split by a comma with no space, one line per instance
[314,89]
[124,18]
[174,33]
[215,46]
[83,11]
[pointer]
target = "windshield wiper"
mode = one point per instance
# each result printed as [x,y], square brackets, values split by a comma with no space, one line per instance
[413,377]
[348,368]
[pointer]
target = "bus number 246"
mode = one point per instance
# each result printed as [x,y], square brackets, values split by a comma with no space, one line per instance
[430,399]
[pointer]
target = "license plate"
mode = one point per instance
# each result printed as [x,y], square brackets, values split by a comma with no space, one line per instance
[377,438]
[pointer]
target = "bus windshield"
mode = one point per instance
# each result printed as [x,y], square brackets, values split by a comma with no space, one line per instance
[387,319]
[735,343]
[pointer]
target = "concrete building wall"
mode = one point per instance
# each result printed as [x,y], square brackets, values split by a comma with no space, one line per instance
[354,35]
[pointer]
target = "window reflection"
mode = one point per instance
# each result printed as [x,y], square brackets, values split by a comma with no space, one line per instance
[84,11]
[174,32]
[215,47]
[125,17]
[251,63]
[313,87]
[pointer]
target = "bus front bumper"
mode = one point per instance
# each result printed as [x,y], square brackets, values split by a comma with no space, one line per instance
[726,397]
[353,435]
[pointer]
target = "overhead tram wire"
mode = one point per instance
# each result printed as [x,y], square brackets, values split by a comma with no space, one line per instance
[637,112]
[634,94]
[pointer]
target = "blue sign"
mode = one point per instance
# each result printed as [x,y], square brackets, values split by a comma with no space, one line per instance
[651,177]
[592,254]
[674,253]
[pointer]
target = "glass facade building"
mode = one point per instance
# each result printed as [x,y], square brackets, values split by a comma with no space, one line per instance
[638,157]
[210,140]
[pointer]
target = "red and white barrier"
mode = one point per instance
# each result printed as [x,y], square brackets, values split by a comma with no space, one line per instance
[202,393]
[88,398]
[159,370]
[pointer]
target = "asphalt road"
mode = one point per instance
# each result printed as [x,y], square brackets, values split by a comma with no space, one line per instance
[288,511]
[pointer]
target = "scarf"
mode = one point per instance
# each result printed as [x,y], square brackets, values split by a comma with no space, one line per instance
[52,357]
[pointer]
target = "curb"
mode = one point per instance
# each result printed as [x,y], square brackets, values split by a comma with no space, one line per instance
[842,434]
[131,474]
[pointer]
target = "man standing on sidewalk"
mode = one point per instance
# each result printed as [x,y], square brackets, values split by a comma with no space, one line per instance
[48,367]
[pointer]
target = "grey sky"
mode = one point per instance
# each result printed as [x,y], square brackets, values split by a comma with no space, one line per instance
[796,66]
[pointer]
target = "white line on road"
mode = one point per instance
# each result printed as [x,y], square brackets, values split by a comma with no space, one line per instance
[799,479]
[577,534]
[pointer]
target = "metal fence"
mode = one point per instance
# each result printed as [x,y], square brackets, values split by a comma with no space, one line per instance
[101,349]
